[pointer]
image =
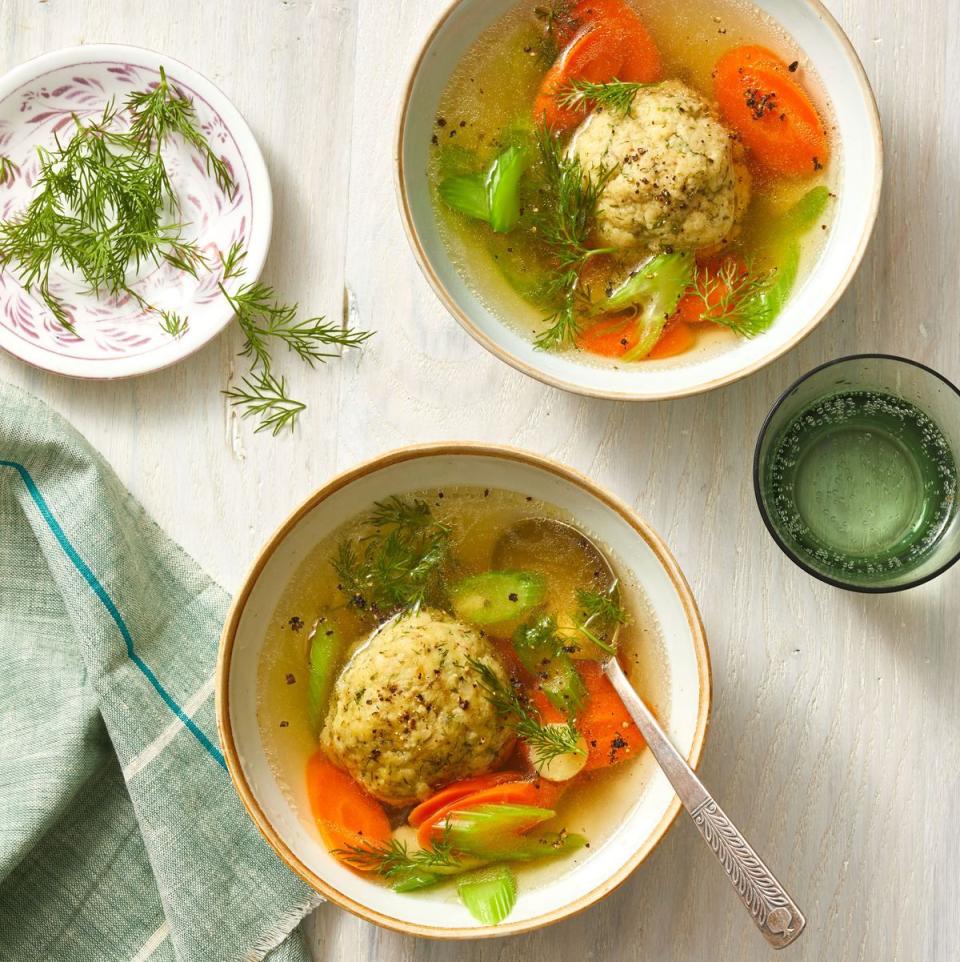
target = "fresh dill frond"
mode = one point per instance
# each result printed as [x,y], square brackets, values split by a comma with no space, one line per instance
[265,396]
[600,613]
[562,326]
[174,324]
[165,110]
[735,297]
[8,169]
[264,319]
[394,859]
[546,742]
[557,18]
[398,564]
[602,606]
[615,96]
[564,219]
[233,266]
[97,207]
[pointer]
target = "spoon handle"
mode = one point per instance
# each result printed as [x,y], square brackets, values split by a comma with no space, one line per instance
[770,907]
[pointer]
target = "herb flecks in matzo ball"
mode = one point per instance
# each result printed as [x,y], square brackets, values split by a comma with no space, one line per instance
[407,713]
[679,179]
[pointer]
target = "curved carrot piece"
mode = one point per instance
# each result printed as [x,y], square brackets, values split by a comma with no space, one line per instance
[606,725]
[458,790]
[609,41]
[609,337]
[765,104]
[594,54]
[677,337]
[510,793]
[691,309]
[344,812]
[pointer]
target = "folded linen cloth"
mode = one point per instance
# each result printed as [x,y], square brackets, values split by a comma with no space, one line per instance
[121,837]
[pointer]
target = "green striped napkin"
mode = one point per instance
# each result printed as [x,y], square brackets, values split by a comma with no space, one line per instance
[121,837]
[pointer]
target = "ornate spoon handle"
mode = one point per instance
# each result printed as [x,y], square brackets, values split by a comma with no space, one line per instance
[772,910]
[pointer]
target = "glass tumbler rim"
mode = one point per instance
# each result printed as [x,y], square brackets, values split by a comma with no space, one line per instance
[765,515]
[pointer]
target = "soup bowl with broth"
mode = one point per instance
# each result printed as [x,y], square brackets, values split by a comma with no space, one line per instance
[329,774]
[636,200]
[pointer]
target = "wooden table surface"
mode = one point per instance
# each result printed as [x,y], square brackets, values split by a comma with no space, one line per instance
[835,740]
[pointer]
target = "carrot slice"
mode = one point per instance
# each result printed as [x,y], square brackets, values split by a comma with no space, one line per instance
[609,337]
[344,812]
[691,308]
[606,725]
[765,104]
[458,790]
[677,337]
[610,42]
[594,54]
[510,793]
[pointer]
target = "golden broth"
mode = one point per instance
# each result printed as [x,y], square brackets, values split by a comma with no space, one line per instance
[478,517]
[494,86]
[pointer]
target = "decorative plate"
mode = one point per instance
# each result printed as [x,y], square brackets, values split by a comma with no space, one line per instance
[115,337]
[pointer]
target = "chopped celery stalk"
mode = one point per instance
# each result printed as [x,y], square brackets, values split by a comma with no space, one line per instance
[489,894]
[764,305]
[545,845]
[541,653]
[503,188]
[417,880]
[467,194]
[806,211]
[654,289]
[490,831]
[326,653]
[497,596]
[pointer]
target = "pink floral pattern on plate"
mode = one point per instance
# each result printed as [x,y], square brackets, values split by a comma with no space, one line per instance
[118,328]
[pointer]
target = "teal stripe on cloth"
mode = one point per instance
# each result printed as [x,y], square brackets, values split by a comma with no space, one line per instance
[101,593]
[121,837]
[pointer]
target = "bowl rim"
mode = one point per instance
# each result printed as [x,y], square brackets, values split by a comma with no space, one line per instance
[225,654]
[247,145]
[758,483]
[461,316]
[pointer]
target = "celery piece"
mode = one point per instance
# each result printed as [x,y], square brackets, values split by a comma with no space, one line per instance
[503,188]
[326,653]
[467,194]
[489,894]
[497,596]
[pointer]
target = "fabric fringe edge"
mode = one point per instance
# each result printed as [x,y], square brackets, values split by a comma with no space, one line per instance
[275,935]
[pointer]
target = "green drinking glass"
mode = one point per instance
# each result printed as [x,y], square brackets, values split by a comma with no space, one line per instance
[855,473]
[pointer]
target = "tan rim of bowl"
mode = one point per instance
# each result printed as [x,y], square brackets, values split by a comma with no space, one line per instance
[242,787]
[447,300]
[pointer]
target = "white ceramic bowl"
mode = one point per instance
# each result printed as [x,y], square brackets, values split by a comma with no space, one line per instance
[117,338]
[280,808]
[859,165]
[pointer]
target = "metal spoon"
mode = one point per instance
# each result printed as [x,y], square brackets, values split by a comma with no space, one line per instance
[770,907]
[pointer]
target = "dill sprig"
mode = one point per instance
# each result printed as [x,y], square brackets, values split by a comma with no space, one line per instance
[262,395]
[392,860]
[564,220]
[99,204]
[547,742]
[600,611]
[266,321]
[615,96]
[165,110]
[735,297]
[8,169]
[397,566]
[557,18]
